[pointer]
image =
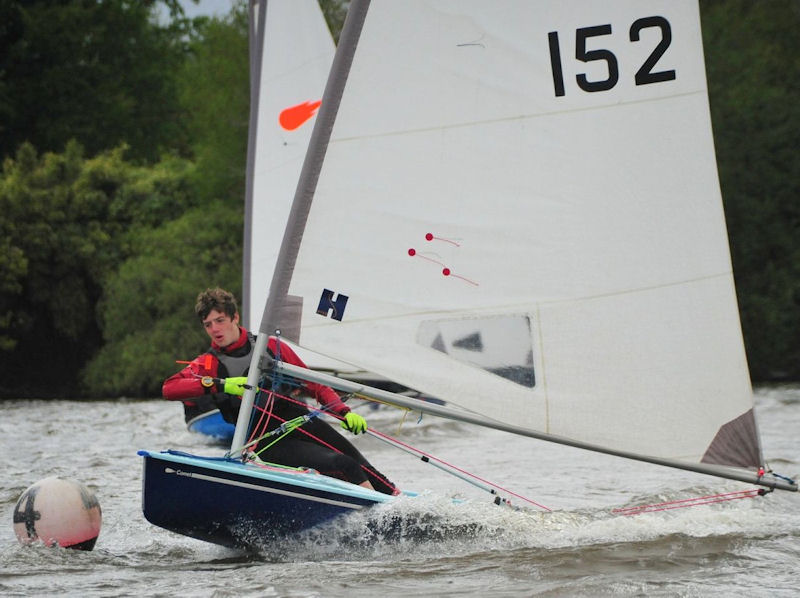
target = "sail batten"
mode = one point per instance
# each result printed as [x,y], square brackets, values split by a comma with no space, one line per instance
[520,118]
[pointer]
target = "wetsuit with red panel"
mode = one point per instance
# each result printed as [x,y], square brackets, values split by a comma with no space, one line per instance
[298,449]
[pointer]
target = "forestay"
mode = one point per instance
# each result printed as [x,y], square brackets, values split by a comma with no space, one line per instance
[518,211]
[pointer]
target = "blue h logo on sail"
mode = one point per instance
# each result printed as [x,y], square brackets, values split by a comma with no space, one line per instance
[328,305]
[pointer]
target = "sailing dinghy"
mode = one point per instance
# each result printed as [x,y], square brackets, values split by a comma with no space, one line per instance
[513,206]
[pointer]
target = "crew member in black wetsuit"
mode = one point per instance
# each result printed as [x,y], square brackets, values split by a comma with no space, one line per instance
[228,359]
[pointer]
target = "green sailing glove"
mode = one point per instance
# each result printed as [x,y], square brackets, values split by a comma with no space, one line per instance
[355,423]
[235,385]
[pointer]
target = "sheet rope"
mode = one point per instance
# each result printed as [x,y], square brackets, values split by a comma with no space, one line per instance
[288,426]
[691,502]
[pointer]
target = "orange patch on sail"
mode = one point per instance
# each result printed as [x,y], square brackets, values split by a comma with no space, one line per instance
[293,117]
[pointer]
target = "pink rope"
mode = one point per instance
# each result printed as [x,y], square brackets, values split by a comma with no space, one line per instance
[688,502]
[265,411]
[399,443]
[458,469]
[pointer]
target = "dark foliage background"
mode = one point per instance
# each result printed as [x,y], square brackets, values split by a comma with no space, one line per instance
[123,142]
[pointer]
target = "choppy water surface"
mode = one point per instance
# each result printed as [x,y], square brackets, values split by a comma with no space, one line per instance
[424,546]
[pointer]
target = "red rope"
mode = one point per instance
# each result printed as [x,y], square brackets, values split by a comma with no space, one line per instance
[396,441]
[265,411]
[458,469]
[688,502]
[268,412]
[416,450]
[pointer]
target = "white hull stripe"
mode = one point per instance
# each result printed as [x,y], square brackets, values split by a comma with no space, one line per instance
[209,478]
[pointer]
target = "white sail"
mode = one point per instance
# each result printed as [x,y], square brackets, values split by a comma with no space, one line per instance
[518,212]
[290,56]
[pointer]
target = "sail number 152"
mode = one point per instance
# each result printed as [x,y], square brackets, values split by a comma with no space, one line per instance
[584,37]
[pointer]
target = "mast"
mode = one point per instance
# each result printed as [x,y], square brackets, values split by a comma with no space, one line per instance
[301,205]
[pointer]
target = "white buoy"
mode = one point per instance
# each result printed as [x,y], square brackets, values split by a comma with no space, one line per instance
[58,511]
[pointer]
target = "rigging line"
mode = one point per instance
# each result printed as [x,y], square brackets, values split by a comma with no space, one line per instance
[452,469]
[324,409]
[365,401]
[426,457]
[374,474]
[442,465]
[691,502]
[439,463]
[276,382]
[285,428]
[783,477]
[266,411]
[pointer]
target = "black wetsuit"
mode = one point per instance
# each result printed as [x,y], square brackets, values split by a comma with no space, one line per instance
[296,449]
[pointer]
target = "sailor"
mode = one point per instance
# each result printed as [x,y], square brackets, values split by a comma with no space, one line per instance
[221,373]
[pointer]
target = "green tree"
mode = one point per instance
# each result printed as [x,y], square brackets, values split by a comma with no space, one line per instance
[753,65]
[98,72]
[67,224]
[214,93]
[101,258]
[335,12]
[147,307]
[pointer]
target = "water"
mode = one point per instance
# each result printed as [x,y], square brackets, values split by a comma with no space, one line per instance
[423,546]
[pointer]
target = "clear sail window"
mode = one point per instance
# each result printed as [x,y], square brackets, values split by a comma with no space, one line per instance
[500,345]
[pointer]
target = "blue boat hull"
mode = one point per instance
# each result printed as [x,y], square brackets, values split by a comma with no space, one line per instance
[213,425]
[226,502]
